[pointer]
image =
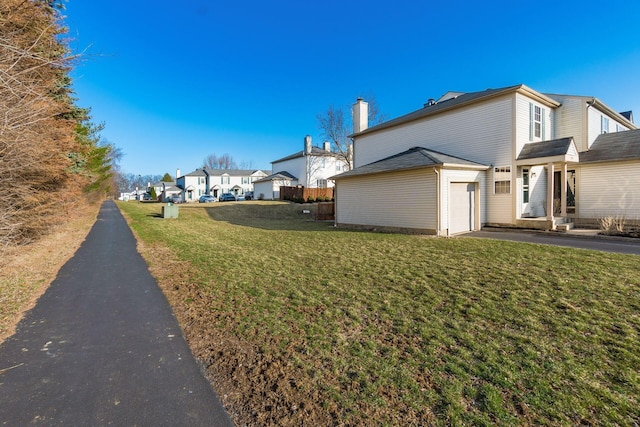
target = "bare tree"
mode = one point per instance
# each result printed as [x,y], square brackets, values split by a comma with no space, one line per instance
[225,161]
[38,127]
[247,165]
[336,126]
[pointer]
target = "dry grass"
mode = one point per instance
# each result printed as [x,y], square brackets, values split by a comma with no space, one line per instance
[27,271]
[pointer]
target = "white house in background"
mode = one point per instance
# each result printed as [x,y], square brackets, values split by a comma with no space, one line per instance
[506,157]
[311,168]
[216,182]
[268,188]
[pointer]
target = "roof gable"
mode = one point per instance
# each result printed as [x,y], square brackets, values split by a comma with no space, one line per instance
[563,149]
[414,158]
[278,176]
[453,100]
[315,151]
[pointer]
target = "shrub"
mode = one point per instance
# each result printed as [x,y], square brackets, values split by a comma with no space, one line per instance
[612,224]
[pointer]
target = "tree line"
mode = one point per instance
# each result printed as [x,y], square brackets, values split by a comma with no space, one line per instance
[52,158]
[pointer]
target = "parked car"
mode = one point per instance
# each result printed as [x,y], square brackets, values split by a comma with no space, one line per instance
[227,197]
[248,195]
[206,199]
[176,199]
[146,196]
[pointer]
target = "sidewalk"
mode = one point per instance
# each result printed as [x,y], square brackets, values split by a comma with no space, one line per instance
[102,347]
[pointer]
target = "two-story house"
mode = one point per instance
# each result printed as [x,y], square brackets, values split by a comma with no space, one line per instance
[216,182]
[506,157]
[311,167]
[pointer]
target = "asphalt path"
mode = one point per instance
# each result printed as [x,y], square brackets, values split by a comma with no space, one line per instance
[102,347]
[596,243]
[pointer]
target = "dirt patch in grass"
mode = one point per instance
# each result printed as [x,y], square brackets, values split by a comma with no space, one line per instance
[255,387]
[27,271]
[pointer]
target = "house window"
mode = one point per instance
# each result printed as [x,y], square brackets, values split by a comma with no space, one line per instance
[338,167]
[502,180]
[536,122]
[225,179]
[619,128]
[604,125]
[246,180]
[321,183]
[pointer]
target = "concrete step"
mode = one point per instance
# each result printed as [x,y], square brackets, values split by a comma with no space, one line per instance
[566,226]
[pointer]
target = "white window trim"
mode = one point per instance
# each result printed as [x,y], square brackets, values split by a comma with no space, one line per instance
[502,175]
[604,124]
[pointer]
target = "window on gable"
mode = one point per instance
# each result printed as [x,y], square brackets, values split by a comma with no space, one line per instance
[502,180]
[537,121]
[604,125]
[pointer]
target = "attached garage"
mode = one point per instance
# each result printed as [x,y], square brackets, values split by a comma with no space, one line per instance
[418,190]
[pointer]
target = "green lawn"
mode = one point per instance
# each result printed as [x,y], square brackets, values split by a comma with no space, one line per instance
[389,329]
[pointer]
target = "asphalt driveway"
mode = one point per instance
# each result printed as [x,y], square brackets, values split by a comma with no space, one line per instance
[102,347]
[575,239]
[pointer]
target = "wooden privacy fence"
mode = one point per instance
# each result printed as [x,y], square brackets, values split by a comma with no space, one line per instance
[302,194]
[326,211]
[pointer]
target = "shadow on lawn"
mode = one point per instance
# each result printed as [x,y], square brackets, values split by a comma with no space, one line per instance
[276,216]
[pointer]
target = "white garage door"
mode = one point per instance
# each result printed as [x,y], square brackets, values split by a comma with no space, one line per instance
[462,206]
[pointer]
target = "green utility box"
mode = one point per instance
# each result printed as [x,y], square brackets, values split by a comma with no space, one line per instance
[170,211]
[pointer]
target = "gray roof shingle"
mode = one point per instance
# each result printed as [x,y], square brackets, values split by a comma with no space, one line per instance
[613,146]
[414,158]
[449,101]
[556,147]
[315,151]
[282,175]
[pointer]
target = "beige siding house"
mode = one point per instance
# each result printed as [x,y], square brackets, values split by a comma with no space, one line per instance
[505,157]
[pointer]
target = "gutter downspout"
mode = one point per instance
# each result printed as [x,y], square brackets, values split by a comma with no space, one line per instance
[438,204]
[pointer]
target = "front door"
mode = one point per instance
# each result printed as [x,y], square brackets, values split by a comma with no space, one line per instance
[525,192]
[571,192]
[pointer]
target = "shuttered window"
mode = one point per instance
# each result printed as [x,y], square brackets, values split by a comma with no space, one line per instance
[537,122]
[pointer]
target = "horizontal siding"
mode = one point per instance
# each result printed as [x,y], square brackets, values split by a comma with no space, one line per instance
[523,122]
[450,176]
[609,190]
[481,133]
[594,126]
[569,120]
[402,199]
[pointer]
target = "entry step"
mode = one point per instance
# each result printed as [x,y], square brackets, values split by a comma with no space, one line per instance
[564,226]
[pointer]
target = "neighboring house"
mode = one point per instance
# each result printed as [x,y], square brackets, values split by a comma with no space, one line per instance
[164,190]
[311,168]
[169,189]
[216,182]
[268,188]
[505,157]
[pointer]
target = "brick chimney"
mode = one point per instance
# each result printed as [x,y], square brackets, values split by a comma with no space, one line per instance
[360,115]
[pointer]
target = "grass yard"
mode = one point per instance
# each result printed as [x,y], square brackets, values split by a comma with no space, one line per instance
[298,323]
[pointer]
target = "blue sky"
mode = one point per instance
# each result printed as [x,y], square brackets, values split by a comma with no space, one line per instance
[176,81]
